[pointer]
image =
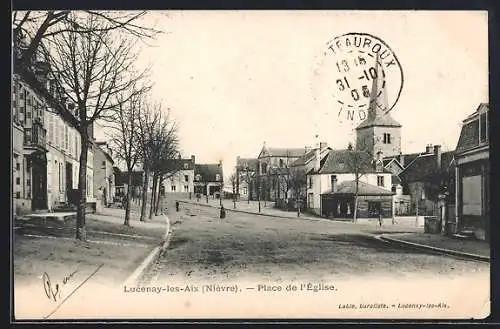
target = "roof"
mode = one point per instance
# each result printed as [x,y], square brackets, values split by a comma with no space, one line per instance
[469,134]
[408,158]
[349,187]
[380,120]
[99,147]
[424,166]
[306,158]
[339,161]
[282,152]
[247,163]
[395,179]
[208,171]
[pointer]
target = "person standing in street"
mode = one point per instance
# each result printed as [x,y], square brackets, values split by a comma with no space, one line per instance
[222,212]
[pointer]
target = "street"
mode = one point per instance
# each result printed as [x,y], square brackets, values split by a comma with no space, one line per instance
[245,246]
[301,268]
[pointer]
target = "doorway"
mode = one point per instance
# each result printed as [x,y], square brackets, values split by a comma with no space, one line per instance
[69,183]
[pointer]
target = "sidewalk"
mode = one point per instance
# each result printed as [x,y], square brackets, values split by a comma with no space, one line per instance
[49,252]
[473,249]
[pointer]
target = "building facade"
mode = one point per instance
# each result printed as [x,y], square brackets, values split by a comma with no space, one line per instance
[29,166]
[181,182]
[104,176]
[426,179]
[246,169]
[272,179]
[208,179]
[331,187]
[472,189]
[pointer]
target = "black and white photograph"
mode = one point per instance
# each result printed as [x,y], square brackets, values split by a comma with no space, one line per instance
[250,164]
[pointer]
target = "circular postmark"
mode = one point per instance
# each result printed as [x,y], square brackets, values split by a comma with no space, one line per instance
[356,73]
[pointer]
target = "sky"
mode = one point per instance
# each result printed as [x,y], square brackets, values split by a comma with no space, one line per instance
[236,79]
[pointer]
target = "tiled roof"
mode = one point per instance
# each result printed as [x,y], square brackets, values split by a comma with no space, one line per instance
[306,158]
[349,187]
[380,119]
[284,152]
[340,161]
[469,134]
[425,166]
[408,158]
[208,171]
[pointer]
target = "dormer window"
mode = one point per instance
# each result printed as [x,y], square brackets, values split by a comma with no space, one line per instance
[185,166]
[198,177]
[483,127]
[217,177]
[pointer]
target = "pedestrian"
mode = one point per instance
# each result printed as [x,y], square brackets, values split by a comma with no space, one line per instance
[177,206]
[380,219]
[222,212]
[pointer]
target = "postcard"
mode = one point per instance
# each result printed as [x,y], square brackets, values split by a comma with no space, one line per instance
[250,164]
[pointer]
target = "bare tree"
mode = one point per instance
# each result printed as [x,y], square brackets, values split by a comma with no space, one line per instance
[146,130]
[164,152]
[35,30]
[123,136]
[359,163]
[92,69]
[298,182]
[233,178]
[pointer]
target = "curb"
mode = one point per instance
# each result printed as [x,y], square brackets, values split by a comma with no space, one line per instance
[435,249]
[139,272]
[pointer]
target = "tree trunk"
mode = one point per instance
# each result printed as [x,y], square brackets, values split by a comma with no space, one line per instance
[153,196]
[144,193]
[128,198]
[234,197]
[355,212]
[81,233]
[249,189]
[159,196]
[298,208]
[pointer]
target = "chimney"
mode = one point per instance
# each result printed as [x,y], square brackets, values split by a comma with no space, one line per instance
[437,153]
[402,159]
[428,148]
[193,159]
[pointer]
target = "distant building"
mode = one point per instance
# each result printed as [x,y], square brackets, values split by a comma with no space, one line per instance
[208,179]
[273,166]
[331,187]
[246,169]
[104,176]
[181,181]
[473,175]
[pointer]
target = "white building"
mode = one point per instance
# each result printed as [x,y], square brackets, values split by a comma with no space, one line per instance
[64,148]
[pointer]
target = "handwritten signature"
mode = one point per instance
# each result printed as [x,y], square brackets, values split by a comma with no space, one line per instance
[53,292]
